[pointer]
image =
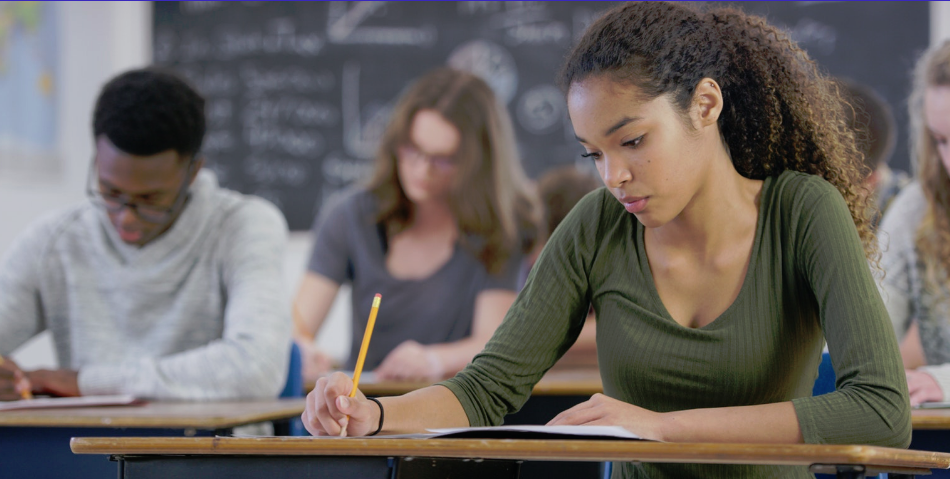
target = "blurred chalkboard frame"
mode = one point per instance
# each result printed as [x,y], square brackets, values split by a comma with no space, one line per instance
[298,92]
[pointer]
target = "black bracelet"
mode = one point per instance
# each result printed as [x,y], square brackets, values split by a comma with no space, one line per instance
[380,427]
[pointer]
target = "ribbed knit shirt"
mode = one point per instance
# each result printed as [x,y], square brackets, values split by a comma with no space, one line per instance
[197,313]
[807,280]
[907,292]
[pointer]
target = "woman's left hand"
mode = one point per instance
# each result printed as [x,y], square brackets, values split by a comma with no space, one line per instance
[922,388]
[601,410]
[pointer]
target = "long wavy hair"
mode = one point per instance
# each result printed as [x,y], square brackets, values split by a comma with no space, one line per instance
[780,111]
[933,235]
[490,198]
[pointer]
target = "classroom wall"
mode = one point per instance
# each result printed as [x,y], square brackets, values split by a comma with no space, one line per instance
[98,40]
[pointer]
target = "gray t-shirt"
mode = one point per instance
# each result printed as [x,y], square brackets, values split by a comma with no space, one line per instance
[349,246]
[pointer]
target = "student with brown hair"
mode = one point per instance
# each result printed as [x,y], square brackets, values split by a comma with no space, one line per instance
[915,237]
[440,231]
[729,244]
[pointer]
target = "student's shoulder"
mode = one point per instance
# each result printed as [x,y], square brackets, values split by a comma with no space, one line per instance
[797,196]
[354,200]
[65,222]
[801,188]
[242,212]
[70,224]
[596,204]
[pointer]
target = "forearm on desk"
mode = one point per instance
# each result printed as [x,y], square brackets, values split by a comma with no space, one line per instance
[765,423]
[414,412]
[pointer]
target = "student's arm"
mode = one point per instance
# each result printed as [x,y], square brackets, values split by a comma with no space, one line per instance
[330,265]
[413,361]
[328,406]
[250,359]
[870,404]
[21,313]
[314,298]
[583,354]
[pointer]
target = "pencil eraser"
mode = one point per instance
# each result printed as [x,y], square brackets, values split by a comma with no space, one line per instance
[379,296]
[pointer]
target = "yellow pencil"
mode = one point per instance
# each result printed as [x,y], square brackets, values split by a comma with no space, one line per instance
[363,348]
[24,393]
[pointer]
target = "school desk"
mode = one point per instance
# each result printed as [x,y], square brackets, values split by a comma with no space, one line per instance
[34,443]
[385,458]
[559,389]
[932,433]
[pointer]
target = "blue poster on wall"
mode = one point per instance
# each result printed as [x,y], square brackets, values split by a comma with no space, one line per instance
[28,89]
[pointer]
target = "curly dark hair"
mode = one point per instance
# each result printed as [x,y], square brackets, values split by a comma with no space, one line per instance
[780,111]
[148,111]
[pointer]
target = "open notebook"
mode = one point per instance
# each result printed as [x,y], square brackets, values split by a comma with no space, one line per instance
[81,401]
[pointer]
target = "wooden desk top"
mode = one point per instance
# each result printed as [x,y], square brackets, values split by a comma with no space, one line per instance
[930,418]
[562,382]
[171,415]
[877,458]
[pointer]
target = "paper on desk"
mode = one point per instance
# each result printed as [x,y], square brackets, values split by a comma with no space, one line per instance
[81,401]
[537,432]
[934,405]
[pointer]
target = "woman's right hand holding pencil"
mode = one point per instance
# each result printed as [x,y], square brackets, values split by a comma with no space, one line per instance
[329,404]
[13,381]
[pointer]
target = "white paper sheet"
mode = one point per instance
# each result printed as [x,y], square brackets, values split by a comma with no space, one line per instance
[80,401]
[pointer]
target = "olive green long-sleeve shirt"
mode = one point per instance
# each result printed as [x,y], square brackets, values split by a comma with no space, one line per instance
[807,281]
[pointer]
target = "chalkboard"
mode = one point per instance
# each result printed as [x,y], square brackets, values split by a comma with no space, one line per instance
[299,92]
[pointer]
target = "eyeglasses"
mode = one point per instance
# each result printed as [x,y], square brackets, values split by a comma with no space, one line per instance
[151,213]
[409,153]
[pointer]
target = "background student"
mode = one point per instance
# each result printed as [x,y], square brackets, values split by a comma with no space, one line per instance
[162,285]
[915,237]
[730,242]
[872,120]
[440,230]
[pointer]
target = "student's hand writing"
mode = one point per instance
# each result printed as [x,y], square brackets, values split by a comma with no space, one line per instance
[328,405]
[601,410]
[922,388]
[410,361]
[55,382]
[13,381]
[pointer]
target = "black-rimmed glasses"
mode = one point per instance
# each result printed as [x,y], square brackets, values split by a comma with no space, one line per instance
[152,213]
